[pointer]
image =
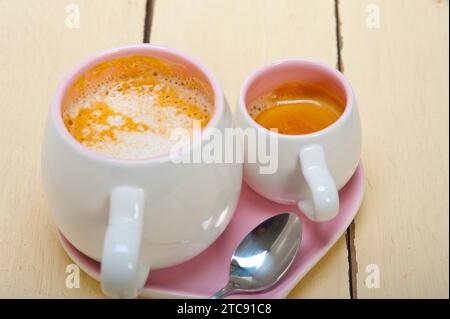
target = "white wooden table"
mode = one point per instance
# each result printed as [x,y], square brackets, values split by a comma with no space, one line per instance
[395,53]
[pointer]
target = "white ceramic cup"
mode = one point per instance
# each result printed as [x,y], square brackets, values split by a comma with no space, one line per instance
[311,167]
[136,215]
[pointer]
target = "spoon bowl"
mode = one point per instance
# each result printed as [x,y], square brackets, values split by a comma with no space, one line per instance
[264,255]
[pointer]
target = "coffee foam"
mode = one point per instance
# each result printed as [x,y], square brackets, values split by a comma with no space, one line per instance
[258,106]
[128,107]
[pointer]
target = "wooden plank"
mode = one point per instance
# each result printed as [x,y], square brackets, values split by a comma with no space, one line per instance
[233,38]
[400,75]
[36,50]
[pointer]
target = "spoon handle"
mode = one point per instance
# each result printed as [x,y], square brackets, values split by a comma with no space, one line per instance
[229,288]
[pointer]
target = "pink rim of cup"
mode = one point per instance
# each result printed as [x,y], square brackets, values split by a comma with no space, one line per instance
[172,55]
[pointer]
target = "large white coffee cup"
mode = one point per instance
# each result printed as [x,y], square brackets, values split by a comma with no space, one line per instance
[136,215]
[311,167]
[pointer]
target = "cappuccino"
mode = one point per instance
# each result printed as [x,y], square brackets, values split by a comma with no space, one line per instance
[126,108]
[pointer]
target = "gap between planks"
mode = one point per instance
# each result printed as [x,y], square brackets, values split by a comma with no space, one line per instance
[148,20]
[350,233]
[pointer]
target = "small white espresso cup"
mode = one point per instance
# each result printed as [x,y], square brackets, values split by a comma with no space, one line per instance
[135,215]
[311,167]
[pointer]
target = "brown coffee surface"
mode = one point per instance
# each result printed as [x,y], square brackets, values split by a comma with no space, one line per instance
[297,108]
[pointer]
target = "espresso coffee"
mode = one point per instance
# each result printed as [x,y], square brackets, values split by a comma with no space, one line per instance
[296,108]
[127,107]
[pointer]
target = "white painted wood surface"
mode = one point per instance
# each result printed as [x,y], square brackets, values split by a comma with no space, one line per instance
[399,73]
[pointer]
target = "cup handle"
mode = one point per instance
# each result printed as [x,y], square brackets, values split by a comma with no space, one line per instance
[122,275]
[324,202]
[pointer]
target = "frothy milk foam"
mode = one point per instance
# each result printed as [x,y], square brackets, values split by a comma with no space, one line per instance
[126,108]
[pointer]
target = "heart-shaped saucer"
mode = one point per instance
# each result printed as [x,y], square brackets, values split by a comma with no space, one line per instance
[203,275]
